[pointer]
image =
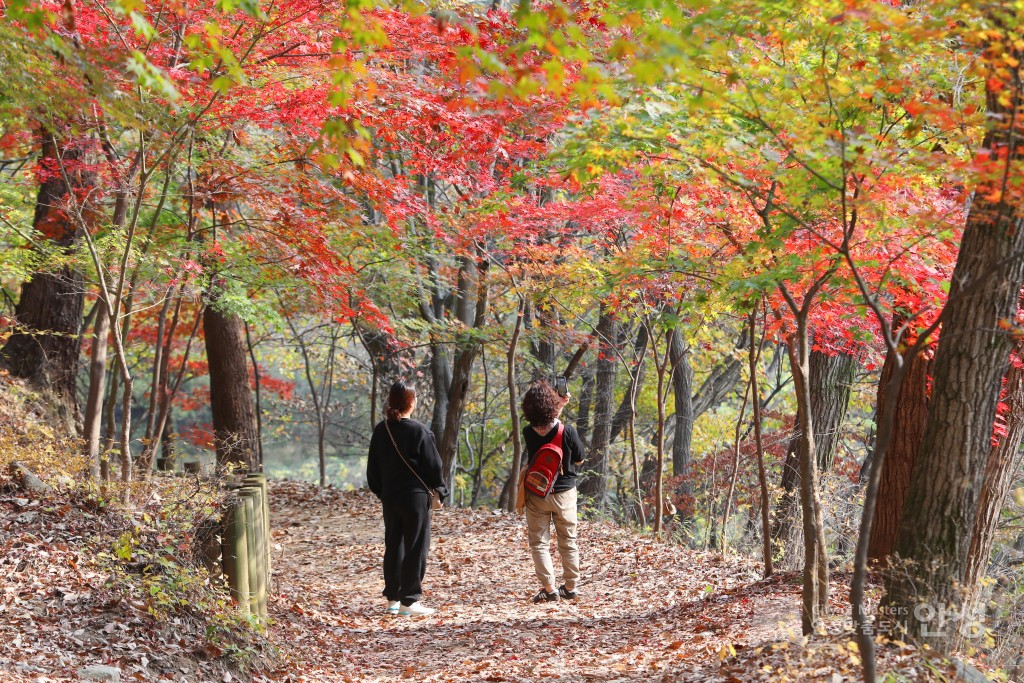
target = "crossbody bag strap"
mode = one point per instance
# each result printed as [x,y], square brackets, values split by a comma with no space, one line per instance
[399,451]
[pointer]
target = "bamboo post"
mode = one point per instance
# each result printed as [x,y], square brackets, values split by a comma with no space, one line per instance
[257,566]
[236,555]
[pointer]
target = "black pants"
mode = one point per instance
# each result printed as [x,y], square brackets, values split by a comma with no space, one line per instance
[406,544]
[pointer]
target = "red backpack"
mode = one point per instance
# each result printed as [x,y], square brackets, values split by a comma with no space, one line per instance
[545,466]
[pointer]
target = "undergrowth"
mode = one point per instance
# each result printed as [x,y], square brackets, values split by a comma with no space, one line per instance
[155,541]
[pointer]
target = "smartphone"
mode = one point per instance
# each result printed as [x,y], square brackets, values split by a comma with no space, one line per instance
[562,386]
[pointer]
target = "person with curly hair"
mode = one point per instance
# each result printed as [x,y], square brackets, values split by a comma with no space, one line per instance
[542,406]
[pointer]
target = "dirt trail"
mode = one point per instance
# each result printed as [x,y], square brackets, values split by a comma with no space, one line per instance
[647,611]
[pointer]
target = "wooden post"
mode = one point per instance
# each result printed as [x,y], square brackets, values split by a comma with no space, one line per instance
[257,565]
[236,555]
[259,479]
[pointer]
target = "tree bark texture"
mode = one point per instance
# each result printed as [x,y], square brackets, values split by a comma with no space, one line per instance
[513,400]
[462,367]
[234,416]
[911,413]
[596,485]
[45,347]
[815,571]
[93,421]
[627,407]
[682,388]
[970,361]
[719,382]
[1001,468]
[829,389]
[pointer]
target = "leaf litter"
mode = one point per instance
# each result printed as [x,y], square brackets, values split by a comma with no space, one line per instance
[647,611]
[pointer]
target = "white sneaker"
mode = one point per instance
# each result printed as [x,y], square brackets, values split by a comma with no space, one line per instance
[393,606]
[416,610]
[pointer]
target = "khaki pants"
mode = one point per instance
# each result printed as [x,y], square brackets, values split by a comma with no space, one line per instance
[559,508]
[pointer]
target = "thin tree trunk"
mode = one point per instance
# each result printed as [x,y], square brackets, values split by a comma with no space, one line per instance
[109,425]
[155,388]
[662,366]
[735,468]
[513,401]
[259,397]
[754,355]
[830,380]
[682,388]
[815,590]
[97,378]
[462,367]
[627,408]
[595,485]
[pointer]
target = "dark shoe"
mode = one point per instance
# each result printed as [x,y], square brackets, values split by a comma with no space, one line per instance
[565,593]
[544,596]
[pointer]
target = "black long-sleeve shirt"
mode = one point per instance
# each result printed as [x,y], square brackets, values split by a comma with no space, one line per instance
[387,475]
[572,453]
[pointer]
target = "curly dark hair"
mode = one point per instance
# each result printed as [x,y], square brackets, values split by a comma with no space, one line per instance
[541,404]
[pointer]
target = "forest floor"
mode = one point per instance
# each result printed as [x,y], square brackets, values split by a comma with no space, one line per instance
[88,581]
[647,611]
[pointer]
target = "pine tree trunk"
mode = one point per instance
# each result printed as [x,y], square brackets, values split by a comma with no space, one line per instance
[1004,461]
[970,361]
[45,347]
[234,416]
[911,415]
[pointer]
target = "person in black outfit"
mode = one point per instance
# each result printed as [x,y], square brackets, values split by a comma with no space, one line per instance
[542,405]
[400,477]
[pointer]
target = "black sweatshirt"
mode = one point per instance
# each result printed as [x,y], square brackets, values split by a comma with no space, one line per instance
[386,474]
[572,453]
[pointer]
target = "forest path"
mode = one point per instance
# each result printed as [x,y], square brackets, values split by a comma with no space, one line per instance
[646,611]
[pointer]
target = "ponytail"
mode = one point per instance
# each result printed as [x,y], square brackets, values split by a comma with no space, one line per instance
[400,399]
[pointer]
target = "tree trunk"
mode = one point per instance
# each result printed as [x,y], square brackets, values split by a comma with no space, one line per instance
[596,485]
[829,388]
[45,346]
[93,421]
[719,382]
[586,403]
[970,361]
[911,413]
[815,572]
[831,380]
[513,400]
[432,311]
[682,388]
[234,416]
[753,357]
[1004,461]
[627,407]
[462,367]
